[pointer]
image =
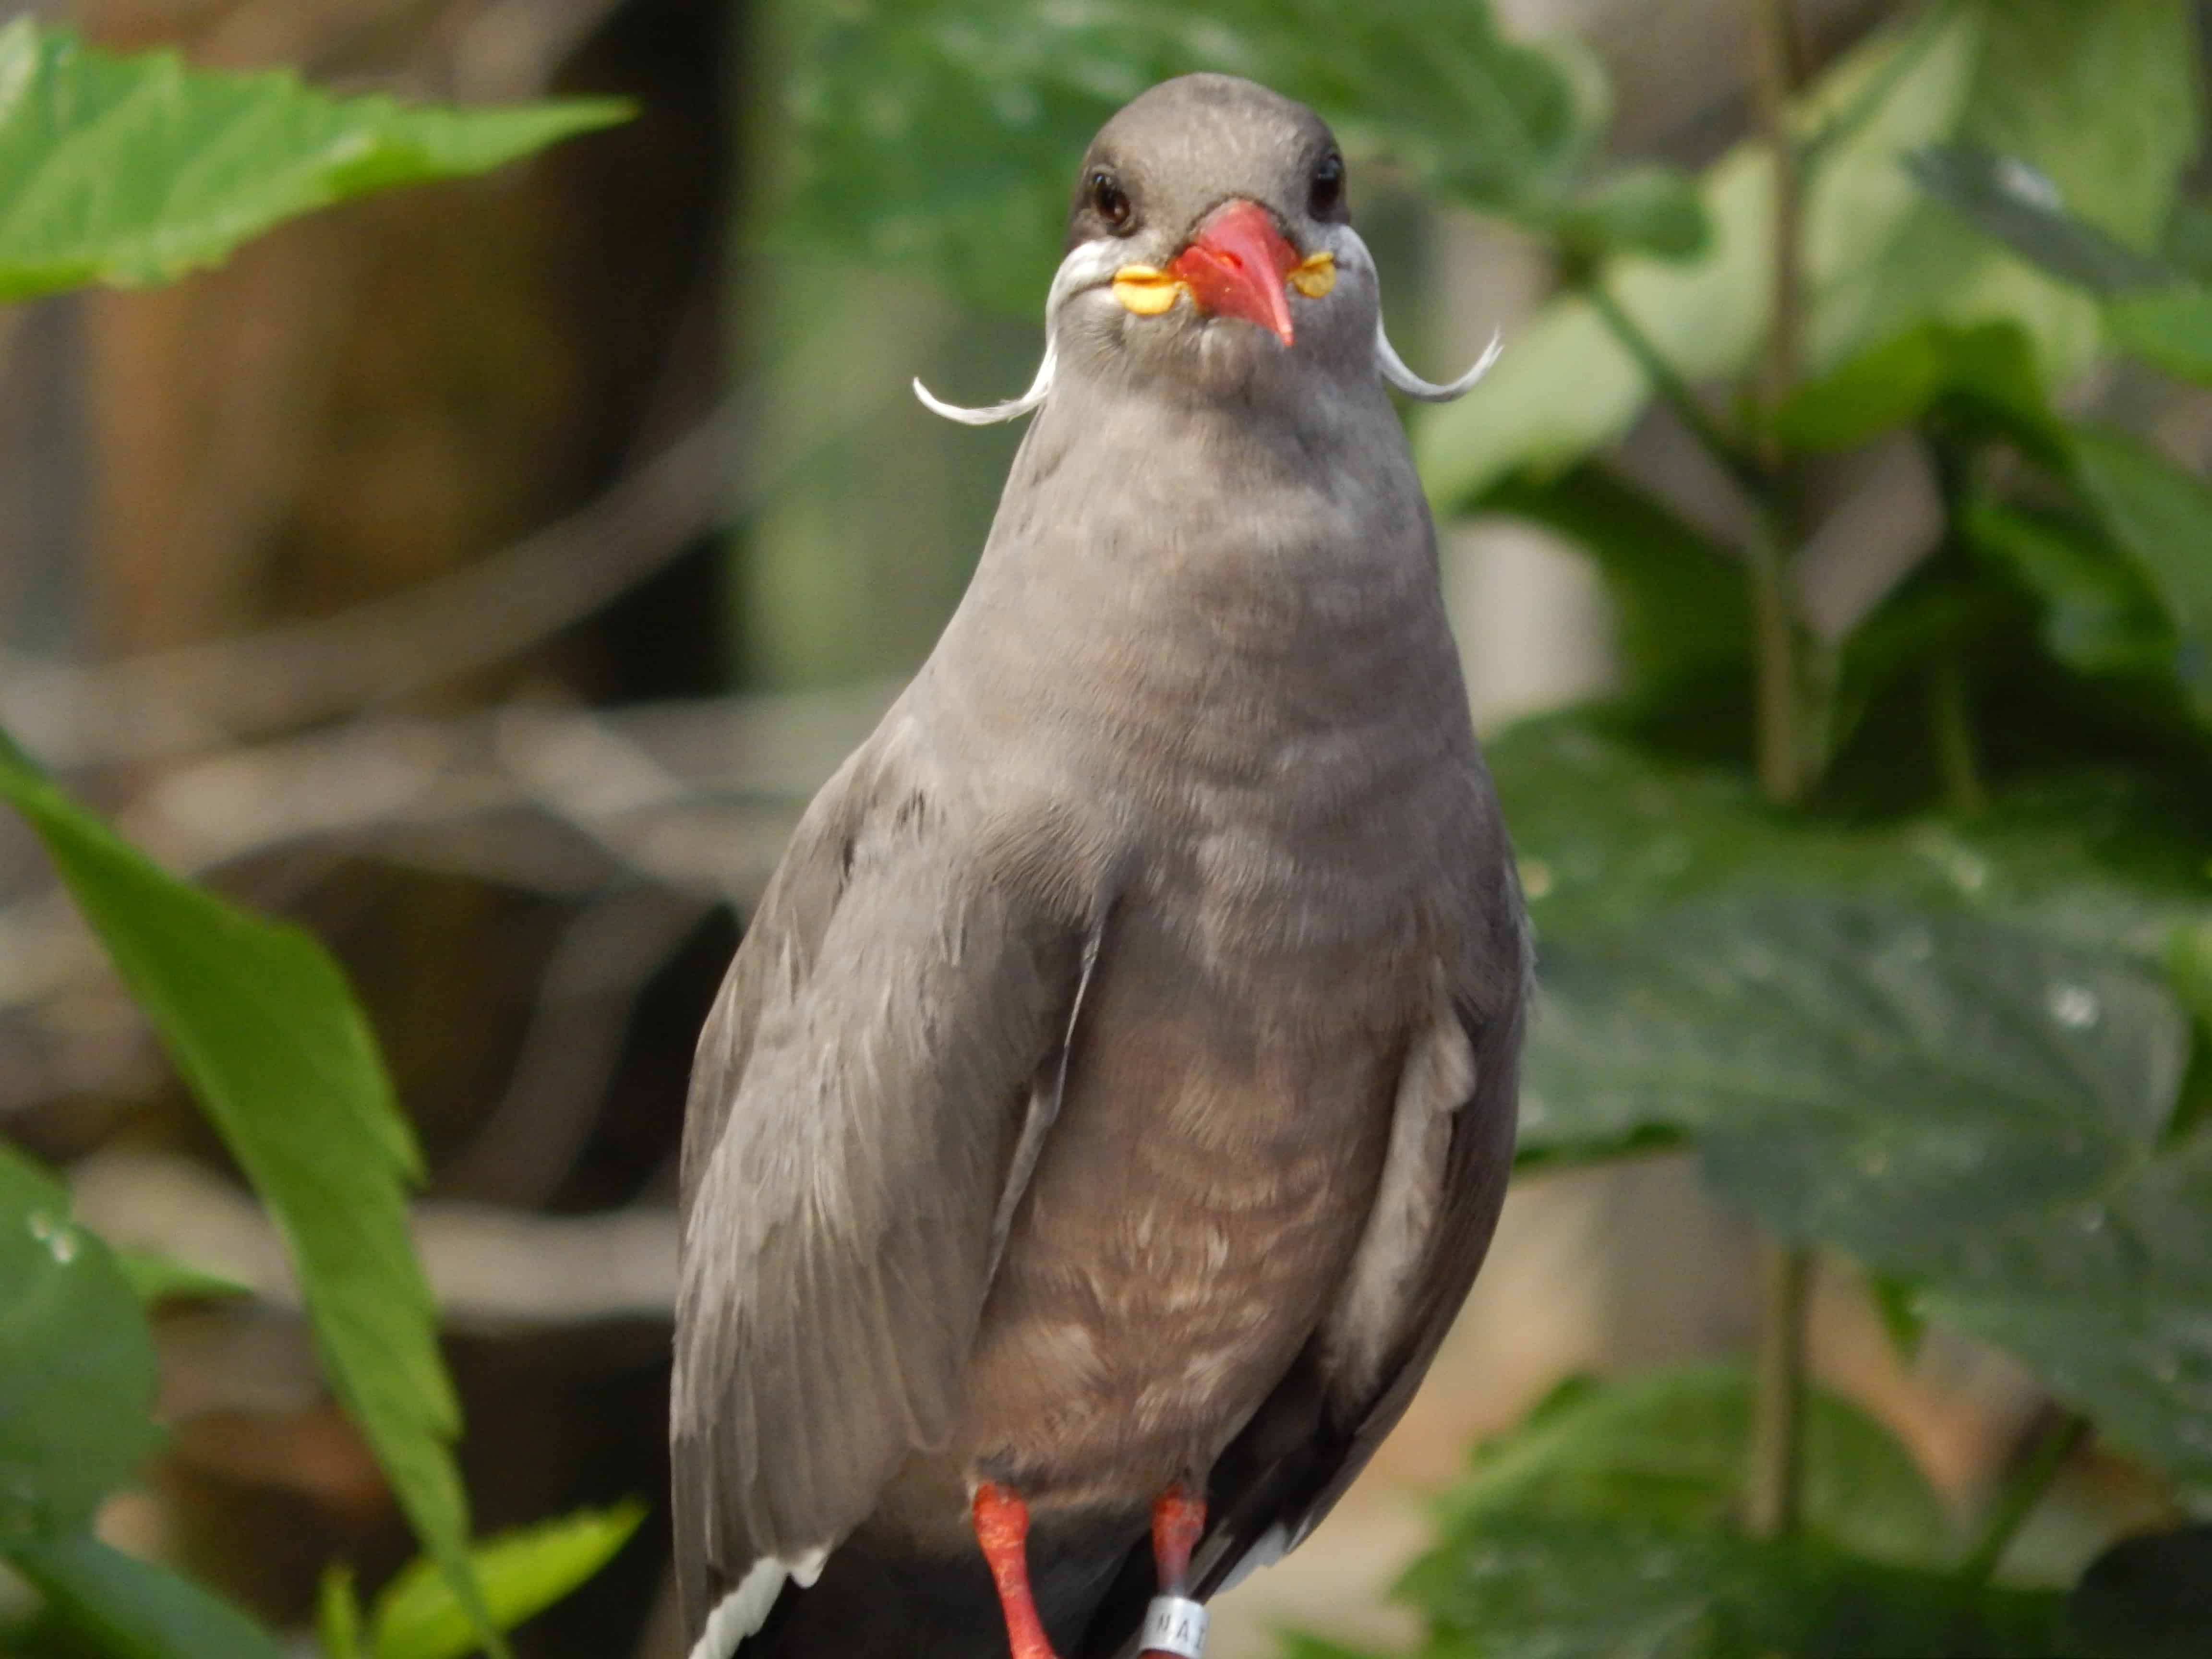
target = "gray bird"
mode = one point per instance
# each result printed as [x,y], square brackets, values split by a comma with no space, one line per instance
[1110,1103]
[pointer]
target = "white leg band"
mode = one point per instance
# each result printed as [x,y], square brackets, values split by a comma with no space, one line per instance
[1175,1624]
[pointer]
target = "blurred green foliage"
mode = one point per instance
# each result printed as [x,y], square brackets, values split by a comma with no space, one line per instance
[947,131]
[74,1427]
[260,1021]
[115,1605]
[1880,256]
[131,170]
[418,1616]
[1604,1527]
[1903,922]
[135,170]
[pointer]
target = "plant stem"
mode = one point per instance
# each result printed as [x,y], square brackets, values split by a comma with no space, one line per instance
[1777,1425]
[1781,768]
[1783,774]
[1777,1447]
[1951,713]
[2024,1488]
[1729,454]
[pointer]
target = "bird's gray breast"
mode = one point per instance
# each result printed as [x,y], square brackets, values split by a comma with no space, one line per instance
[1254,705]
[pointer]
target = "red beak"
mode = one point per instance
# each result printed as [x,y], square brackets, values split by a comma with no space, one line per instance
[1236,264]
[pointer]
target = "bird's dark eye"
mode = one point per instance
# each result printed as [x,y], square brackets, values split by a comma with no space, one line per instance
[1107,199]
[1327,189]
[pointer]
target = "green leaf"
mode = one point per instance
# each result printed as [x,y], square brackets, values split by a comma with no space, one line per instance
[1756,1009]
[1652,210]
[1604,1526]
[76,1362]
[2101,615]
[1891,385]
[2187,243]
[155,1277]
[2189,970]
[1902,1307]
[1942,1097]
[137,170]
[2029,78]
[522,1573]
[1565,386]
[2170,330]
[1682,600]
[264,1029]
[1953,1052]
[338,1613]
[2163,517]
[2044,98]
[130,1609]
[1669,1448]
[1987,370]
[1609,834]
[949,131]
[2124,1336]
[2018,203]
[1540,1589]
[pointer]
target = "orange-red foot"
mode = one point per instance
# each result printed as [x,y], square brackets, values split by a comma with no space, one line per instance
[1002,1528]
[1178,1521]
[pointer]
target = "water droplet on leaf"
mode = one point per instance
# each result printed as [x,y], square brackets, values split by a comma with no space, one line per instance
[2029,184]
[2074,1007]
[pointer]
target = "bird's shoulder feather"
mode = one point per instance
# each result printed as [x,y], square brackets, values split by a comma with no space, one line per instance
[858,1110]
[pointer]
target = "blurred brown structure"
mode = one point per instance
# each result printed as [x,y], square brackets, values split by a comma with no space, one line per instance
[361,403]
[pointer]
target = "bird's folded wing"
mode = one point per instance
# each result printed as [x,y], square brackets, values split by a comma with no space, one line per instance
[1451,1151]
[1478,1158]
[860,1092]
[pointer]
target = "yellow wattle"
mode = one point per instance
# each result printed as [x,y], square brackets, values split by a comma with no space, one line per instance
[1149,291]
[1315,274]
[1145,289]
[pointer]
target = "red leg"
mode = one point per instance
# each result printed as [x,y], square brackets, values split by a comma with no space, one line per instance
[1178,1521]
[1002,1528]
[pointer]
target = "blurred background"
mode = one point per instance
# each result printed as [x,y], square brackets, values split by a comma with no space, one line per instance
[486,574]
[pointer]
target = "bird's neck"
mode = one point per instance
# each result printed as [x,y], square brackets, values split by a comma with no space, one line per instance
[1297,512]
[1166,565]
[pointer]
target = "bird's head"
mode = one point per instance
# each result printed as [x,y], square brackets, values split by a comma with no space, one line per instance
[1210,247]
[1208,226]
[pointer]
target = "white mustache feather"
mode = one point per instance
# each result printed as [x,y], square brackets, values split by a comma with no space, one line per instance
[1086,264]
[1395,370]
[1092,263]
[1352,251]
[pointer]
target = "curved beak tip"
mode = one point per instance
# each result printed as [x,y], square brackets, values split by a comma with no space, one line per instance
[1238,264]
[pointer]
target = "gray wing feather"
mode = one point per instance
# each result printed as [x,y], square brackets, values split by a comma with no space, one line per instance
[1044,1103]
[862,1090]
[1308,1442]
[1477,1162]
